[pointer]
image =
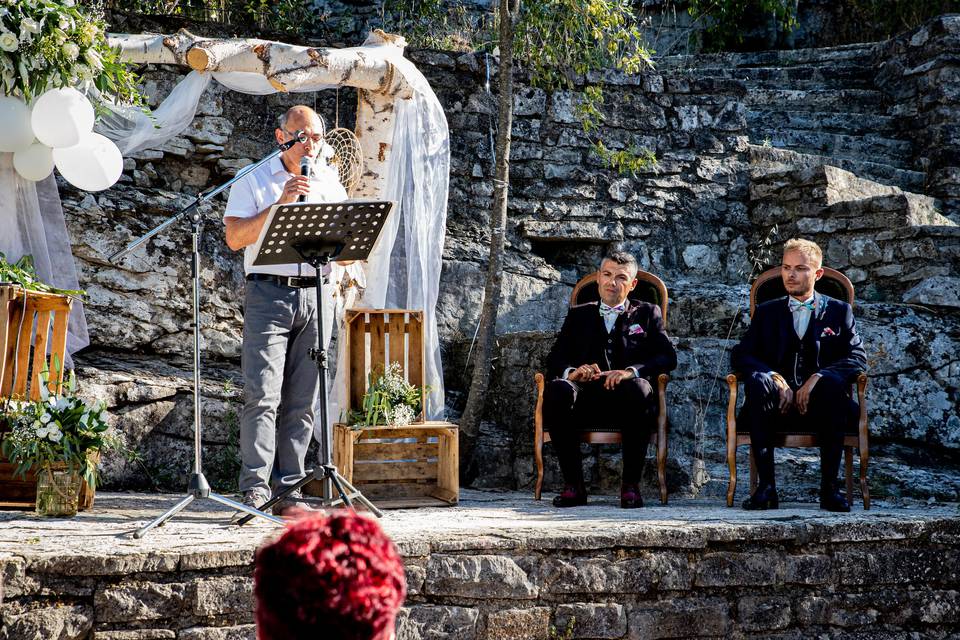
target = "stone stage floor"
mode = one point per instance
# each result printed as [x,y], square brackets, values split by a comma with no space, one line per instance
[481,520]
[502,566]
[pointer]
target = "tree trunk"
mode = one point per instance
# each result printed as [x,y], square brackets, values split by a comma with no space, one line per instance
[290,67]
[480,381]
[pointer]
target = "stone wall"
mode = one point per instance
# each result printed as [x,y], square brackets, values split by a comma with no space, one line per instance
[698,221]
[858,577]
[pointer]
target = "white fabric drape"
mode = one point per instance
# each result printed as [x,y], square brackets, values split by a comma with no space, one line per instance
[398,274]
[32,223]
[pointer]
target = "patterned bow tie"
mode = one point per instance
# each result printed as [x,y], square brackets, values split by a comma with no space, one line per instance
[796,306]
[606,310]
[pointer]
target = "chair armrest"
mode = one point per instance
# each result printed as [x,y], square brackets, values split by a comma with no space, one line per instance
[733,380]
[855,377]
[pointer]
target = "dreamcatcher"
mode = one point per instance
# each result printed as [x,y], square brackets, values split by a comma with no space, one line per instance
[342,150]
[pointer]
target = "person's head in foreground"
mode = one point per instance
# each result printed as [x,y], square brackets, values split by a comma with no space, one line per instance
[335,577]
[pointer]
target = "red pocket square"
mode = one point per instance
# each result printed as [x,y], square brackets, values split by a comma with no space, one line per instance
[827,331]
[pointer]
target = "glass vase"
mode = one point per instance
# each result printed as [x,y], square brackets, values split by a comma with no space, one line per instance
[57,492]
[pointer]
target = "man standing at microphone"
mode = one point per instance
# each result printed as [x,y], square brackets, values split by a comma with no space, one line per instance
[280,382]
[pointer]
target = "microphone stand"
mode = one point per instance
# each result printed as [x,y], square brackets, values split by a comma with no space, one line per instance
[198,487]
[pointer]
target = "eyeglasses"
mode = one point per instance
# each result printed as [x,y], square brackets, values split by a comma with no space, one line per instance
[315,138]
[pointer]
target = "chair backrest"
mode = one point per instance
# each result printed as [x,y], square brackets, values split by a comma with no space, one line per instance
[769,286]
[649,288]
[376,338]
[31,325]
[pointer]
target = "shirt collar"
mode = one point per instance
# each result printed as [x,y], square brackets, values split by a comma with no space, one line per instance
[276,166]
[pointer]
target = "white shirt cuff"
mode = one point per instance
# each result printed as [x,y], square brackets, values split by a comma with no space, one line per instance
[568,371]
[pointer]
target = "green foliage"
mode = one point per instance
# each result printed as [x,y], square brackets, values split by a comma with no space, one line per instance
[298,16]
[59,428]
[626,161]
[567,632]
[560,40]
[389,399]
[23,272]
[885,18]
[435,24]
[725,18]
[46,44]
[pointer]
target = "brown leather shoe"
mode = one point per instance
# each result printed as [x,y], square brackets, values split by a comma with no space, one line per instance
[570,497]
[630,497]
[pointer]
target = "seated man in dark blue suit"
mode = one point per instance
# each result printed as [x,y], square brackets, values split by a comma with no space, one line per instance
[797,358]
[600,372]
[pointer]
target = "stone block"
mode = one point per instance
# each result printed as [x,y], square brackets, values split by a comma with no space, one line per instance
[591,620]
[864,252]
[899,566]
[650,571]
[701,258]
[738,570]
[939,291]
[941,607]
[812,610]
[763,614]
[134,601]
[680,618]
[140,634]
[481,576]
[426,622]
[808,569]
[57,622]
[224,595]
[416,575]
[236,632]
[518,624]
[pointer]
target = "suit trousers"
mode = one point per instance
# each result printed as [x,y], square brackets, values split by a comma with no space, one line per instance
[830,413]
[280,384]
[568,407]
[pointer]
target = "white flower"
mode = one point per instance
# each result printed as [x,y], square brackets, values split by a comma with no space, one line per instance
[83,72]
[8,41]
[67,3]
[45,418]
[71,50]
[63,403]
[30,25]
[93,59]
[55,435]
[89,33]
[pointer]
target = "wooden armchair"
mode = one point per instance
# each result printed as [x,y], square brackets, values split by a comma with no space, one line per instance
[649,289]
[768,287]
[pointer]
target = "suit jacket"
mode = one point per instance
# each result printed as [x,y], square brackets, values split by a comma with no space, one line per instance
[638,340]
[837,345]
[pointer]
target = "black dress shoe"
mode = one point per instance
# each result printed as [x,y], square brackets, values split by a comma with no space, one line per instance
[630,497]
[834,501]
[763,498]
[570,497]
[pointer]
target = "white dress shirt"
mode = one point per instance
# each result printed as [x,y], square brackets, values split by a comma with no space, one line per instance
[260,189]
[801,318]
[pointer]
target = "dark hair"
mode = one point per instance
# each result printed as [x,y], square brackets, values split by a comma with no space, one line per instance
[338,577]
[622,258]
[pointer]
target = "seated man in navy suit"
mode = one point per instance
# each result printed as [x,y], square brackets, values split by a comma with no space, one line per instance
[600,371]
[797,358]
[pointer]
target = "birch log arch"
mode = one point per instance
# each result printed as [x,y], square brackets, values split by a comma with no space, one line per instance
[291,67]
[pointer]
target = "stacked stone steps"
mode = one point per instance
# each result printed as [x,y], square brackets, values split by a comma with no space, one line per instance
[819,102]
[888,241]
[878,172]
[842,122]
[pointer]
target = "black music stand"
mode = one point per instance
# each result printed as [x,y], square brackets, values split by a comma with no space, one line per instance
[320,233]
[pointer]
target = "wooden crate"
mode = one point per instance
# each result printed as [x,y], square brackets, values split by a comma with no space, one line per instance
[402,467]
[33,336]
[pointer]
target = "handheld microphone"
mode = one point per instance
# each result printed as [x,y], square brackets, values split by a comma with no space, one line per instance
[299,136]
[305,167]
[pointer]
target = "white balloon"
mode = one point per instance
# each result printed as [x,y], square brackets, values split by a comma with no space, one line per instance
[15,131]
[94,164]
[61,117]
[35,162]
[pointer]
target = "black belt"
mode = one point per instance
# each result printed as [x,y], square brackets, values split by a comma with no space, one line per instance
[294,282]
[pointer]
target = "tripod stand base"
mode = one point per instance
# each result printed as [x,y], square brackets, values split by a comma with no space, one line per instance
[199,489]
[341,492]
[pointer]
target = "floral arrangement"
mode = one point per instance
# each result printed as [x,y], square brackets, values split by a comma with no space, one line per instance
[59,428]
[47,44]
[389,400]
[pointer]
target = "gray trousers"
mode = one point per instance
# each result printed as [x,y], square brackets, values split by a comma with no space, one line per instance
[280,385]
